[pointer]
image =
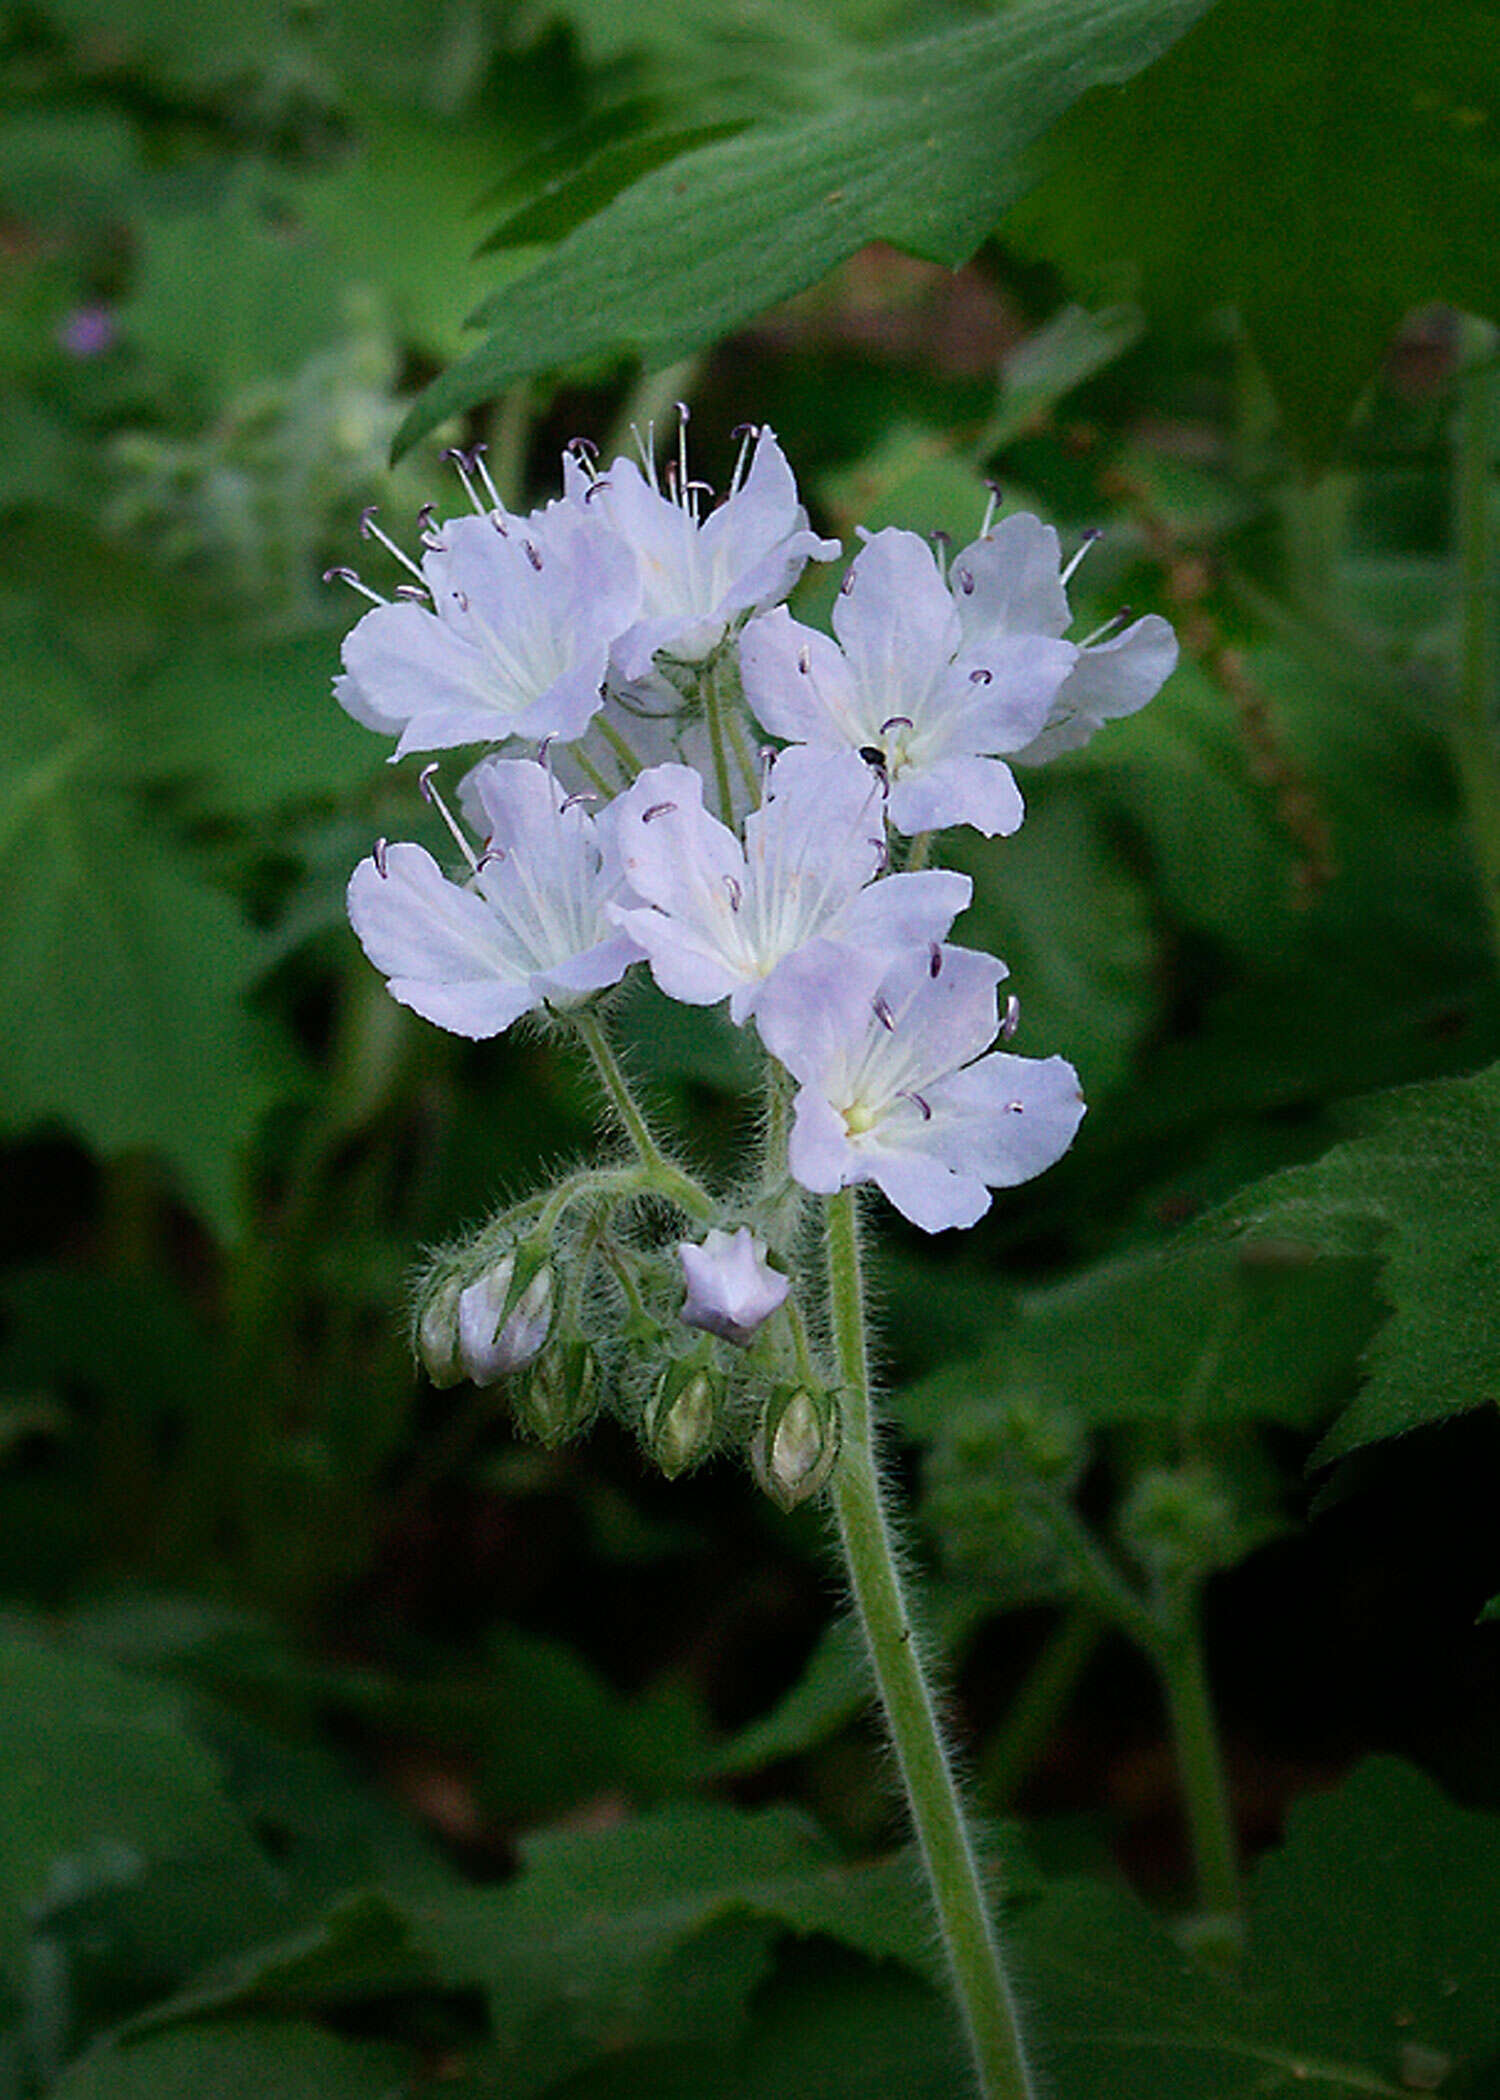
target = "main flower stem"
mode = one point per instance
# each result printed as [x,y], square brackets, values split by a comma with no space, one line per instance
[968,1931]
[667,1178]
[1200,1768]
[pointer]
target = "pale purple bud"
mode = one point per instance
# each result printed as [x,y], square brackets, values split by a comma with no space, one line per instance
[731,1288]
[492,1343]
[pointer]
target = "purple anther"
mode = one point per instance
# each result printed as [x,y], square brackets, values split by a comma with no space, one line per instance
[847,585]
[425,779]
[377,854]
[1010,1019]
[582,448]
[980,676]
[735,894]
[882,853]
[366,529]
[804,660]
[657,809]
[744,430]
[532,555]
[594,487]
[584,795]
[456,454]
[417,592]
[941,538]
[873,756]
[895,722]
[342,575]
[425,517]
[918,1101]
[965,581]
[1014,1108]
[935,960]
[461,600]
[883,1013]
[701,488]
[684,413]
[434,542]
[491,852]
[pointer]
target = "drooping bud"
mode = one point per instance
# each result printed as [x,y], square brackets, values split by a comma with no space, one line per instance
[559,1394]
[731,1287]
[795,1444]
[682,1416]
[502,1321]
[436,1336]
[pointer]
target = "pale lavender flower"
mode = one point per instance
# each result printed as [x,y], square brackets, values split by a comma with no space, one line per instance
[731,1287]
[701,571]
[933,707]
[505,632]
[531,924]
[894,1087]
[718,919]
[491,1343]
[1011,580]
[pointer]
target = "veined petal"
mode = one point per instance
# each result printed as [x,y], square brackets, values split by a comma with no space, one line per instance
[957,790]
[1110,679]
[1010,582]
[895,620]
[798,684]
[438,945]
[1007,1118]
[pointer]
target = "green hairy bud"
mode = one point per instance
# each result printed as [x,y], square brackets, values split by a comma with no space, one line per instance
[795,1444]
[681,1424]
[559,1394]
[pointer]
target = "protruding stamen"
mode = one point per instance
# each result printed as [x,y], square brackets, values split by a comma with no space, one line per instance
[918,1102]
[1095,532]
[847,585]
[369,530]
[980,676]
[532,555]
[735,894]
[425,784]
[491,853]
[464,464]
[584,795]
[417,593]
[935,960]
[747,433]
[895,722]
[804,660]
[942,544]
[1010,1018]
[882,853]
[883,1014]
[657,809]
[377,854]
[989,510]
[355,582]
[965,581]
[481,468]
[1117,625]
[600,481]
[584,450]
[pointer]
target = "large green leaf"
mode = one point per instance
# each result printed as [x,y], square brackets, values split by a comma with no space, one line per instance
[267,2061]
[919,144]
[127,975]
[1323,165]
[1417,1191]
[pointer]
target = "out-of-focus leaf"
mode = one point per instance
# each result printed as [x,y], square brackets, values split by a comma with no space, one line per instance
[657,1931]
[832,1691]
[1209,1335]
[920,145]
[263,2060]
[100,1780]
[1369,1952]
[1322,167]
[1415,1191]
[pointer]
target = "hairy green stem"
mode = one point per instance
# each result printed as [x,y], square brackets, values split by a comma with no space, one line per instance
[968,1930]
[666,1178]
[1473,729]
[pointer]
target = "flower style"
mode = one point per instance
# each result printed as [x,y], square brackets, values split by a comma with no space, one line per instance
[506,632]
[1011,581]
[731,1287]
[718,919]
[894,1087]
[530,926]
[932,704]
[700,576]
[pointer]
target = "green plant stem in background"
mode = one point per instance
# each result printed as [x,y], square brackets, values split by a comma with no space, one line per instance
[666,1177]
[964,1916]
[1473,731]
[1180,1659]
[1013,1752]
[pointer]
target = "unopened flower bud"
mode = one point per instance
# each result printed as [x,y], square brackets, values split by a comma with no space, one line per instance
[559,1394]
[436,1335]
[795,1444]
[495,1335]
[1179,1521]
[731,1287]
[682,1416]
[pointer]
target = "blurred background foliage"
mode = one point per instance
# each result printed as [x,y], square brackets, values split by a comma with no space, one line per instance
[349,1744]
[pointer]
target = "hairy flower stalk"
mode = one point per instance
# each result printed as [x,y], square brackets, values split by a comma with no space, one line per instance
[621,654]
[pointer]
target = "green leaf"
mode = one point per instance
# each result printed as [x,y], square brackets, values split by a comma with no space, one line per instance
[1417,1191]
[266,2061]
[100,1780]
[1324,167]
[919,145]
[657,1931]
[1370,1951]
[128,975]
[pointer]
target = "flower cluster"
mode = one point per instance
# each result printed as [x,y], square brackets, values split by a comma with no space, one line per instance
[680,776]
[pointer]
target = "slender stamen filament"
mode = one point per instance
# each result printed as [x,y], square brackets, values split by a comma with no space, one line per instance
[1094,533]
